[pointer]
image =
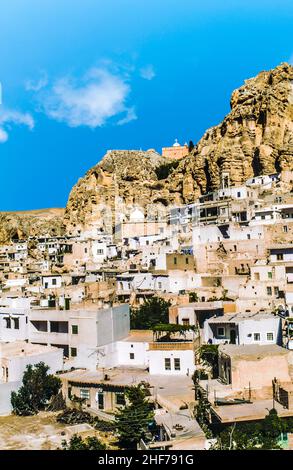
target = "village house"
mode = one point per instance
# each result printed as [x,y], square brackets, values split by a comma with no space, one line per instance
[244,328]
[14,357]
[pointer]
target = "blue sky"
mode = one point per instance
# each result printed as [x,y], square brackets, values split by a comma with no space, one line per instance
[83,76]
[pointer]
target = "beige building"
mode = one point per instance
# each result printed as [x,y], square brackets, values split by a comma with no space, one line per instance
[253,367]
[176,152]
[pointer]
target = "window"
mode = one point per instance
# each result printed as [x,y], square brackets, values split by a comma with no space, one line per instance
[221,331]
[84,393]
[73,352]
[54,282]
[167,363]
[270,275]
[175,260]
[276,291]
[279,256]
[159,285]
[8,322]
[119,398]
[269,290]
[270,336]
[131,355]
[177,363]
[100,251]
[285,228]
[74,329]
[185,321]
[256,336]
[238,194]
[186,261]
[16,323]
[85,250]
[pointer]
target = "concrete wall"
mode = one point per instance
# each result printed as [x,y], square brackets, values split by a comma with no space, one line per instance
[259,372]
[5,394]
[157,362]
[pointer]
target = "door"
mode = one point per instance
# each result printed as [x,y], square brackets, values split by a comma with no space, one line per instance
[233,336]
[100,400]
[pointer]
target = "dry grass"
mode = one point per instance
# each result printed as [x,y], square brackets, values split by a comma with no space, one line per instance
[40,432]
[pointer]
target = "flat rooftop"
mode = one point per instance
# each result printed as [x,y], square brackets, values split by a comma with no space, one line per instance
[252,350]
[171,392]
[116,376]
[139,336]
[22,349]
[238,317]
[249,411]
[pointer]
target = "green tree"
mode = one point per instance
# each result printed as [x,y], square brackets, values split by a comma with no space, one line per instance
[38,388]
[77,443]
[133,419]
[248,436]
[154,311]
[208,354]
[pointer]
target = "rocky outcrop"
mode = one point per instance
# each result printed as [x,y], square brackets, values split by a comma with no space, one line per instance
[256,137]
[126,174]
[17,225]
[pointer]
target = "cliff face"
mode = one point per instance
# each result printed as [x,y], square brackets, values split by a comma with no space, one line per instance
[129,174]
[256,137]
[17,225]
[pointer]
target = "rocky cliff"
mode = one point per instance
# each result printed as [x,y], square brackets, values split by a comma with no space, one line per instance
[129,174]
[20,225]
[256,137]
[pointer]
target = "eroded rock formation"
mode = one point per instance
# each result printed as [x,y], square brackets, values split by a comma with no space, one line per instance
[256,137]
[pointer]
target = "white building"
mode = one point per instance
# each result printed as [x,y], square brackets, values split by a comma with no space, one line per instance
[51,281]
[14,357]
[244,328]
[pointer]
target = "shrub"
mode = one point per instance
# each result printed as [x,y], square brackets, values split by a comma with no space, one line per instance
[38,388]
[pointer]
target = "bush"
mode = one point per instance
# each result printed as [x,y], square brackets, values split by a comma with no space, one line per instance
[57,403]
[77,443]
[165,170]
[74,416]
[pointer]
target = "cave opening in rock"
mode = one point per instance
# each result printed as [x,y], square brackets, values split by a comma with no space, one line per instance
[256,163]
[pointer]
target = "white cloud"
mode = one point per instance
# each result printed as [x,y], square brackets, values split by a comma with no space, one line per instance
[3,136]
[147,72]
[32,85]
[130,116]
[10,117]
[99,96]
